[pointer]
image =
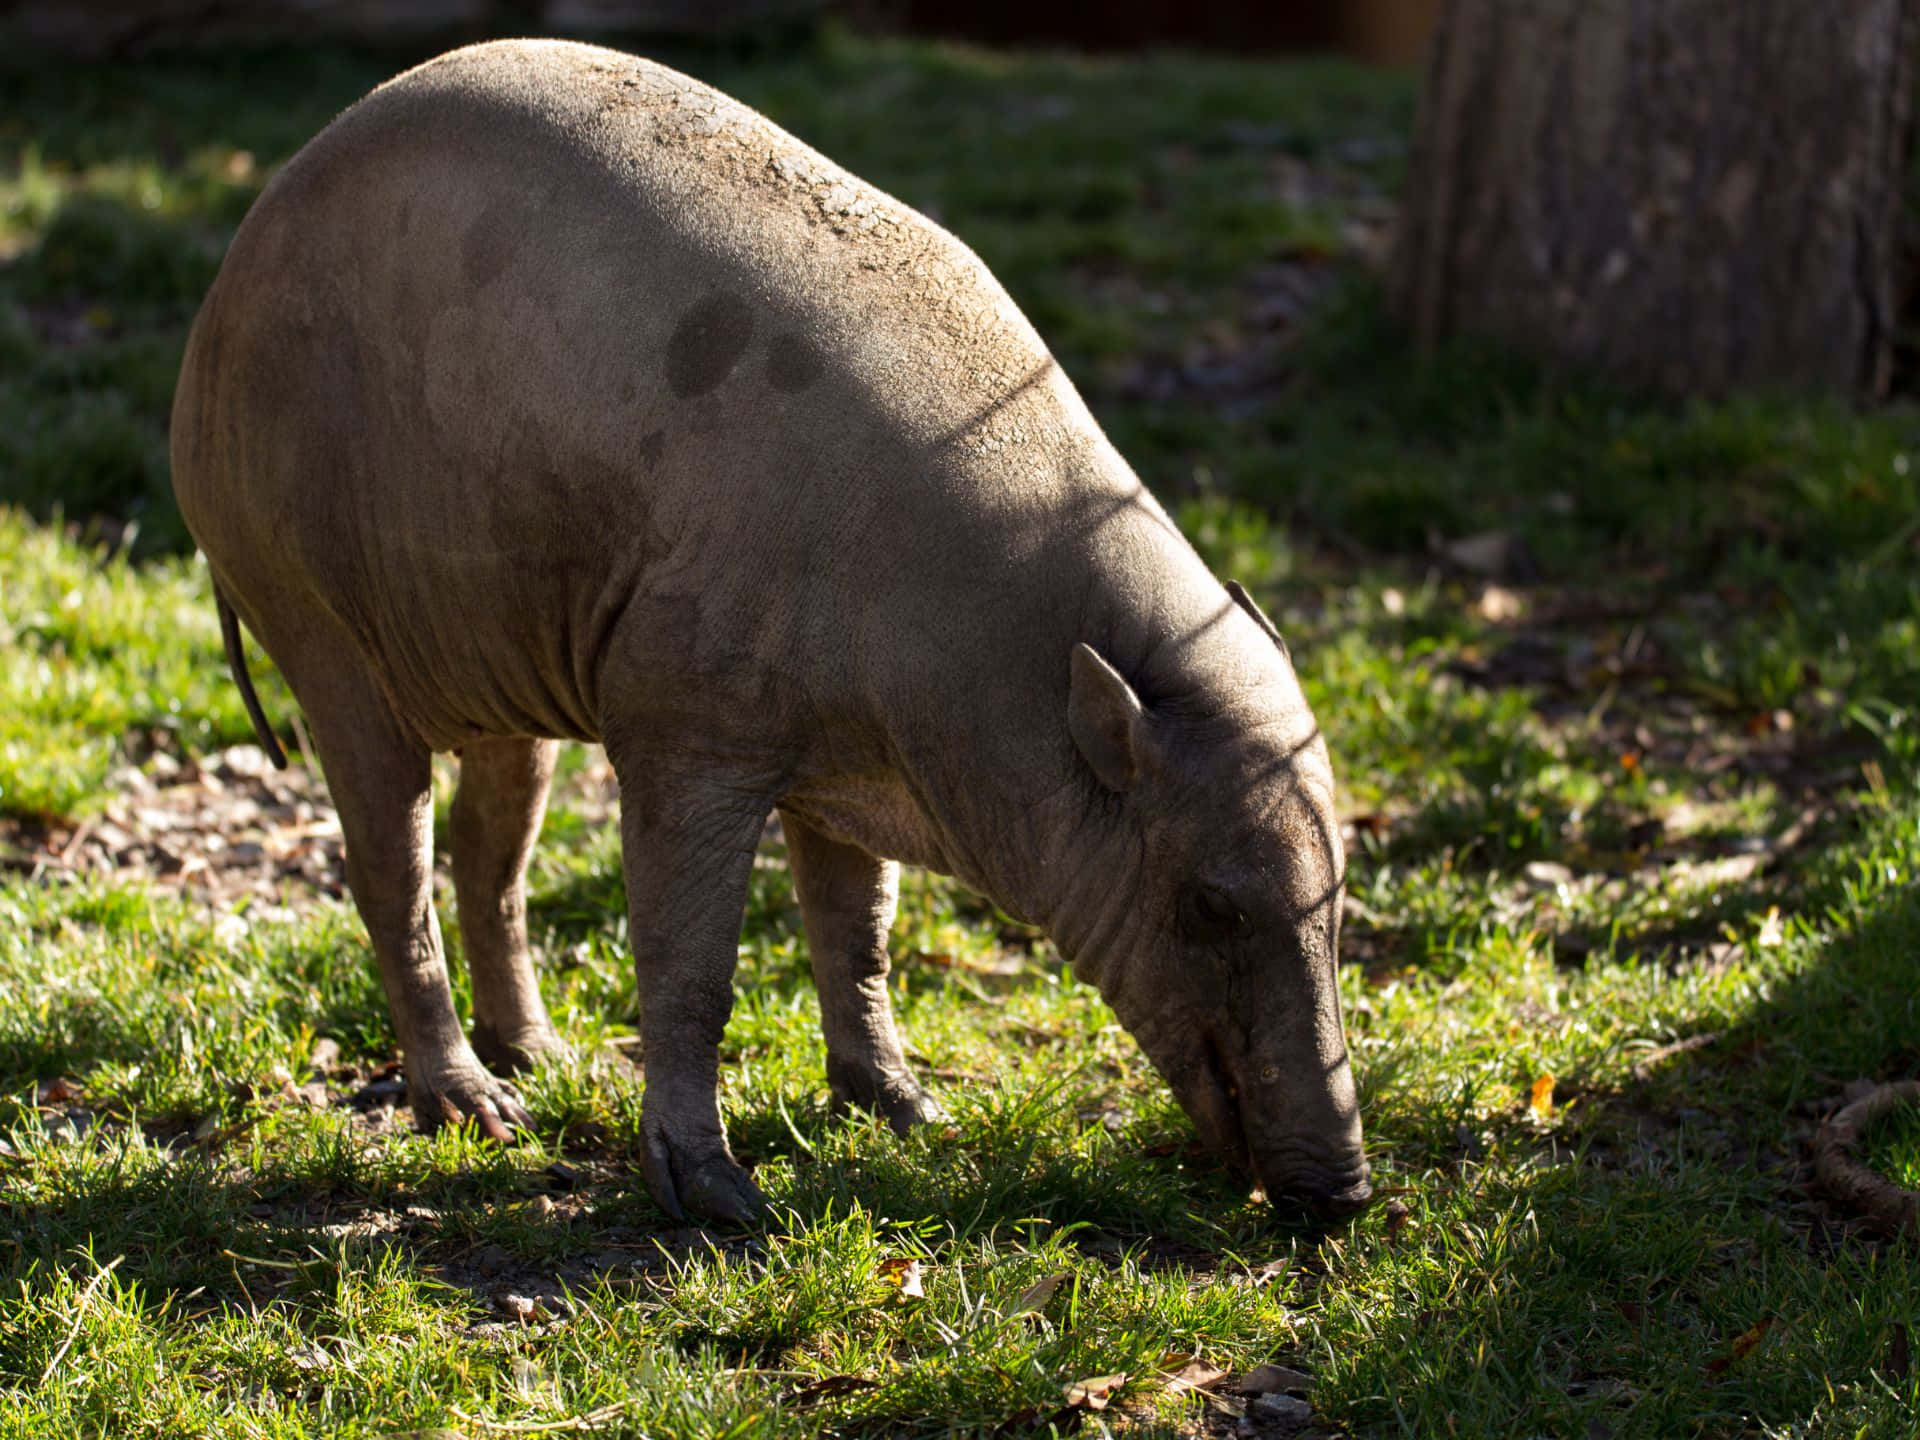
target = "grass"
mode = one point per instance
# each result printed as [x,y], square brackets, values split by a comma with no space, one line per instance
[1893,1147]
[98,665]
[1636,829]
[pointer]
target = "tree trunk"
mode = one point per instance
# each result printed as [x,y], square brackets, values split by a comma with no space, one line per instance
[1686,194]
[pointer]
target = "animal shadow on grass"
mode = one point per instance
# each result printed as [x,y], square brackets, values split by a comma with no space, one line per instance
[190,1207]
[1670,1224]
[192,1223]
[1849,1015]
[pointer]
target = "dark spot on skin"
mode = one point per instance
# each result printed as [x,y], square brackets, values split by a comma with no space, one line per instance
[792,363]
[652,448]
[488,245]
[707,343]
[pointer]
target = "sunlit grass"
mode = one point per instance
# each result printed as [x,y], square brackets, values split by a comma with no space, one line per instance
[97,656]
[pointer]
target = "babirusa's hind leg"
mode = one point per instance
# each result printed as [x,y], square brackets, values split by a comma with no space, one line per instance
[847,900]
[497,809]
[381,781]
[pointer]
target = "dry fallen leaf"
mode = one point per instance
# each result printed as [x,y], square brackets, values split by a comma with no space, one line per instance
[1268,1273]
[830,1387]
[1094,1393]
[1497,604]
[57,1091]
[308,1356]
[1742,1346]
[1184,1373]
[1540,1101]
[1547,874]
[518,1307]
[1397,1216]
[903,1273]
[1494,553]
[1036,1295]
[1378,825]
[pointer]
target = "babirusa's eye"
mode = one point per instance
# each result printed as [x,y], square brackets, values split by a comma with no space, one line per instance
[1207,914]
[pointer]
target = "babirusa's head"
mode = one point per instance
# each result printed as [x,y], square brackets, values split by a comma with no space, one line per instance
[1214,930]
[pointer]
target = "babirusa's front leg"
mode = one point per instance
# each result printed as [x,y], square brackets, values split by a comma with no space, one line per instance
[689,848]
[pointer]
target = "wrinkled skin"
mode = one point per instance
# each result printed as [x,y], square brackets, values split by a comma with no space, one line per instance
[551,395]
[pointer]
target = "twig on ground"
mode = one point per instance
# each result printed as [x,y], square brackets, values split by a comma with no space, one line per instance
[1643,1067]
[81,834]
[1890,1207]
[31,862]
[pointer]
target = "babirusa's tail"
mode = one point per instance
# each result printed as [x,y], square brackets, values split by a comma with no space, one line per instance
[237,663]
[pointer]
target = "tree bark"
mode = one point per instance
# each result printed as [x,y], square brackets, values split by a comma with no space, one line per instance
[1690,195]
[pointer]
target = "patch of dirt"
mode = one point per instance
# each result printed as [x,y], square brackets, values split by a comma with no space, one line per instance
[227,829]
[230,830]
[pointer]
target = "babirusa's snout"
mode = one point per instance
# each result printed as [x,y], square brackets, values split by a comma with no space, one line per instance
[1295,1127]
[1324,1194]
[1306,1143]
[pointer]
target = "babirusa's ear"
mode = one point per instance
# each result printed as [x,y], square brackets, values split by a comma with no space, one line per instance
[1107,721]
[1246,603]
